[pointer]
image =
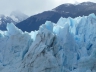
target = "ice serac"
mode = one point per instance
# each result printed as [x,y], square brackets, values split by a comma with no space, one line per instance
[68,46]
[14,44]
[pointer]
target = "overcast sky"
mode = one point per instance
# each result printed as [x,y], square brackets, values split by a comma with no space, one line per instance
[31,7]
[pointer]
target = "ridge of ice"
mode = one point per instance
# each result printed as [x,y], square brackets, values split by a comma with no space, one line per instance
[68,46]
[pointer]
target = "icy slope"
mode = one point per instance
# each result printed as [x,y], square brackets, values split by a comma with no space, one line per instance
[68,46]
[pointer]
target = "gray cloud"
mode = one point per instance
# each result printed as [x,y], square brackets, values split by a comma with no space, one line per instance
[31,7]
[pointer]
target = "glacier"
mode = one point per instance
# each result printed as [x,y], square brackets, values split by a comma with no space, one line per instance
[67,46]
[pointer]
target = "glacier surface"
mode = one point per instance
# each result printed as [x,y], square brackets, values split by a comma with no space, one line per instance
[68,46]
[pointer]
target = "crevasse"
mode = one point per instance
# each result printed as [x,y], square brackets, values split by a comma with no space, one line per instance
[68,46]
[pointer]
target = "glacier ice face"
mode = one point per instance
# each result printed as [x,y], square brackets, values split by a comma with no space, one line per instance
[13,45]
[68,46]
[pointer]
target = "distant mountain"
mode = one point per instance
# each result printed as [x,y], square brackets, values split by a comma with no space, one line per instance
[33,22]
[64,10]
[15,17]
[4,20]
[18,15]
[72,10]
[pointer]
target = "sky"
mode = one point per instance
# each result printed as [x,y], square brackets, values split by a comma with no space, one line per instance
[31,7]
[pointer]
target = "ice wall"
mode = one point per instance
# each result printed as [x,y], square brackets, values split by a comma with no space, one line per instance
[68,46]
